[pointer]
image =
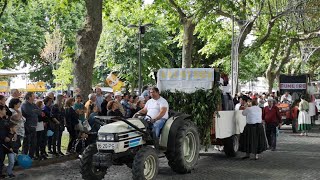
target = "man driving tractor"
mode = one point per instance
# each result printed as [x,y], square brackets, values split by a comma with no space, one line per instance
[156,110]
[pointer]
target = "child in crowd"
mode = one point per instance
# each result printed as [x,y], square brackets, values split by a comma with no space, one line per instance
[10,148]
[81,142]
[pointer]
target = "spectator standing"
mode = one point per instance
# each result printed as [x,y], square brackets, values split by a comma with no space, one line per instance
[4,125]
[126,106]
[99,98]
[41,134]
[253,140]
[79,108]
[90,104]
[31,112]
[118,98]
[11,149]
[76,92]
[17,118]
[114,109]
[304,120]
[272,119]
[93,115]
[71,121]
[57,115]
[14,94]
[104,104]
[3,103]
[140,104]
[47,111]
[145,91]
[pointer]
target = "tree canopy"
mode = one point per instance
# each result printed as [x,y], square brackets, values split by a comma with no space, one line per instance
[271,37]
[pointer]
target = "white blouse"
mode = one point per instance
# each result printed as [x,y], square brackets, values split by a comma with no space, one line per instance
[253,114]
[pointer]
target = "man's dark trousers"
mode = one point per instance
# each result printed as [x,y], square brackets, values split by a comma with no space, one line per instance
[271,132]
[30,141]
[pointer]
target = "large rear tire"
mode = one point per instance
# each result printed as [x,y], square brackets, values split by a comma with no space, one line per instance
[145,164]
[187,146]
[88,171]
[231,146]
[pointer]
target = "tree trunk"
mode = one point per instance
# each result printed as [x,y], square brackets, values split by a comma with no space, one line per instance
[87,41]
[188,38]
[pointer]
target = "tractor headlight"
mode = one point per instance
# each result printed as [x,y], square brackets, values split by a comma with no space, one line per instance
[106,137]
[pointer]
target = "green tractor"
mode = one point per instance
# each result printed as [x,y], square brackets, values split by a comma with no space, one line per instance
[131,142]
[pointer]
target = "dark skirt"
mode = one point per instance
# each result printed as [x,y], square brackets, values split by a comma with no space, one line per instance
[253,139]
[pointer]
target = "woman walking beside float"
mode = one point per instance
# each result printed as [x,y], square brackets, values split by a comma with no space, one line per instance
[304,120]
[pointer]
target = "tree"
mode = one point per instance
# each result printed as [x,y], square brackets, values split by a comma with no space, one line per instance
[63,75]
[118,47]
[87,41]
[189,14]
[53,49]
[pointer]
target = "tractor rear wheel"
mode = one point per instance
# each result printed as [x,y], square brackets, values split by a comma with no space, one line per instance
[145,164]
[89,171]
[187,146]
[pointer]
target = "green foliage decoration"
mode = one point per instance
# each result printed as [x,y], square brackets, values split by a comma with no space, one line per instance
[200,104]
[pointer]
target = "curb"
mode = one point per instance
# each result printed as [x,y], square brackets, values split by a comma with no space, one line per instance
[49,161]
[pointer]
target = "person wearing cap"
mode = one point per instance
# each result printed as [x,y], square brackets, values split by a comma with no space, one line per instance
[271,117]
[118,97]
[157,108]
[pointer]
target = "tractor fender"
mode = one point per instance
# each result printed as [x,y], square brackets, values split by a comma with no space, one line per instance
[168,132]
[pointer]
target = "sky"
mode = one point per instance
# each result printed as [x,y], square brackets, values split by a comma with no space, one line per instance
[148,1]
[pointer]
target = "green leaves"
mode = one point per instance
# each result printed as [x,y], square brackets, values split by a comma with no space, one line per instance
[201,105]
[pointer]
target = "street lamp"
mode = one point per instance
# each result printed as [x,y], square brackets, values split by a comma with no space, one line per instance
[142,30]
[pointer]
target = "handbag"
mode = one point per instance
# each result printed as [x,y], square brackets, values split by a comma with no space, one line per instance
[79,126]
[40,126]
[86,126]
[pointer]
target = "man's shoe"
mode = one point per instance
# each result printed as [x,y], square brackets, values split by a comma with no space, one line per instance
[35,158]
[50,151]
[11,176]
[60,153]
[2,176]
[245,157]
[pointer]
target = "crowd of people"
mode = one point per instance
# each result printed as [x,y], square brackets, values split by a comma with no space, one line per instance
[264,119]
[34,126]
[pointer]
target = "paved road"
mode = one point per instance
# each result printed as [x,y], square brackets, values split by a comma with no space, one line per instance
[296,158]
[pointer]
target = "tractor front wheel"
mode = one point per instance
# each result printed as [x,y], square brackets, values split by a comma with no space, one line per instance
[145,164]
[88,171]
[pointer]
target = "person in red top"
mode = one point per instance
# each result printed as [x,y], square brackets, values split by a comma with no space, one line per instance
[271,117]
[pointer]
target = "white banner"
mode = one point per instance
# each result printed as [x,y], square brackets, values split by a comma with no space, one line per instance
[185,79]
[293,86]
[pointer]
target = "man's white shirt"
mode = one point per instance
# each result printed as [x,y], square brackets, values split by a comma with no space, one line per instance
[153,106]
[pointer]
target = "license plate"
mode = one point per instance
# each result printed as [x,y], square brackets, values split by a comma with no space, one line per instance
[283,117]
[106,145]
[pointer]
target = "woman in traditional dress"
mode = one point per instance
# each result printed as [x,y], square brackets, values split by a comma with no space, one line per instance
[304,120]
[253,139]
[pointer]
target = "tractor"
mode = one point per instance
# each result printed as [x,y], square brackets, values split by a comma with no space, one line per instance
[131,142]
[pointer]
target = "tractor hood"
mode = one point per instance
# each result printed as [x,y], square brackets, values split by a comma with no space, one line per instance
[121,127]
